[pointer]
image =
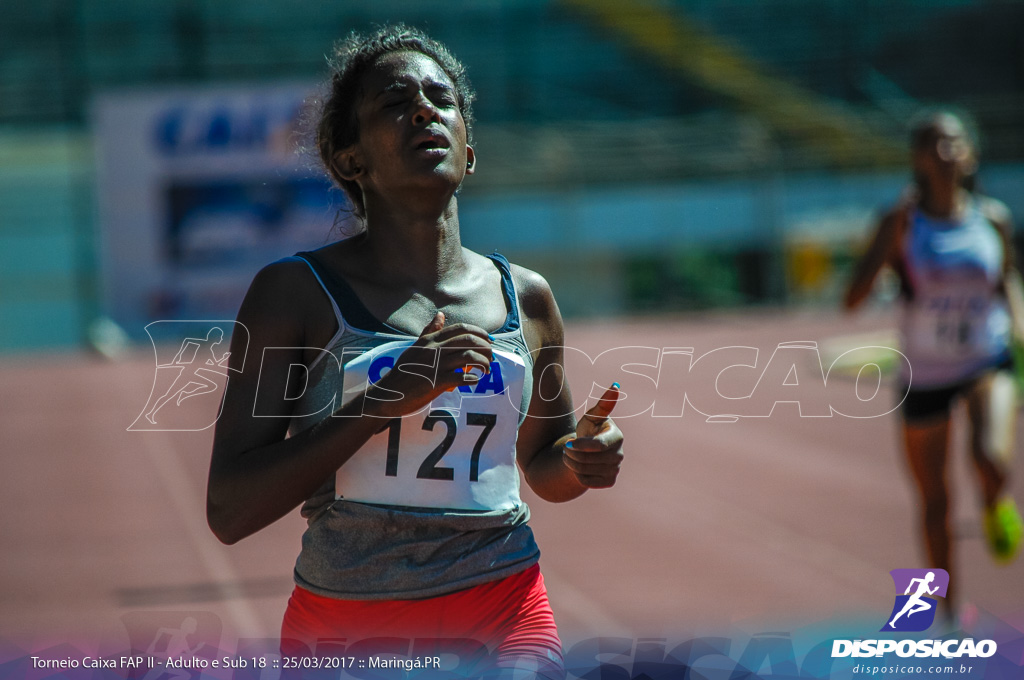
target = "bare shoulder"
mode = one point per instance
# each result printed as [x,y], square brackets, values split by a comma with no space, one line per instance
[534,292]
[282,300]
[894,212]
[538,305]
[895,218]
[283,271]
[892,225]
[282,285]
[996,212]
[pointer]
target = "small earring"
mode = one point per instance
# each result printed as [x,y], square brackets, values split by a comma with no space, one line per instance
[469,164]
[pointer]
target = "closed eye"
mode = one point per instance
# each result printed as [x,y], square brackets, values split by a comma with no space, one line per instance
[441,94]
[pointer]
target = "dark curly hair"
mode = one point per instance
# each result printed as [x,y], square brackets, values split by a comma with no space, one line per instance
[352,58]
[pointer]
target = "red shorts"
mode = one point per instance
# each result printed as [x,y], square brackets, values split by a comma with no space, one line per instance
[503,623]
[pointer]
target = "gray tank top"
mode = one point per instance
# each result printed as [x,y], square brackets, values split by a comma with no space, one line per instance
[429,505]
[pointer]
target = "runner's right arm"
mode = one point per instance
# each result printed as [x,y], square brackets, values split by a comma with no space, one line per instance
[883,250]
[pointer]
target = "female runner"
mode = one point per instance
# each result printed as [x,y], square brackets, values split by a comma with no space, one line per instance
[436,358]
[952,250]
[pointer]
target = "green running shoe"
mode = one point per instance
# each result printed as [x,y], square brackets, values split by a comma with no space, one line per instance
[1004,530]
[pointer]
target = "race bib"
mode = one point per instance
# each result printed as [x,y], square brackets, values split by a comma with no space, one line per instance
[950,326]
[458,453]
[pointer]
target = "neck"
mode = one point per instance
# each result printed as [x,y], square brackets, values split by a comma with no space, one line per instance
[412,246]
[943,200]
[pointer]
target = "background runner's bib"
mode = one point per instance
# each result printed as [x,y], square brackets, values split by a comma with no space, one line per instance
[458,453]
[954,323]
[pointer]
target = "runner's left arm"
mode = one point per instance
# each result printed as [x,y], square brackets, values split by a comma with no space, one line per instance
[999,215]
[560,457]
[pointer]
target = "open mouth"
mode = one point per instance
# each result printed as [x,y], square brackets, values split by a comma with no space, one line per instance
[433,142]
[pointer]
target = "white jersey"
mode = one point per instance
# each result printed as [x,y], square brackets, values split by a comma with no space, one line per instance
[955,320]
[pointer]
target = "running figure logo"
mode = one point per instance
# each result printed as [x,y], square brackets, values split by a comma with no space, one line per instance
[164,636]
[172,644]
[914,610]
[191,361]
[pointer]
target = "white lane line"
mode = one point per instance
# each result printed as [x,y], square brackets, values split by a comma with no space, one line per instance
[189,504]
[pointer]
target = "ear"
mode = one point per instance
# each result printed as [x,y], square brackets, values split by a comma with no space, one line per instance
[470,160]
[348,165]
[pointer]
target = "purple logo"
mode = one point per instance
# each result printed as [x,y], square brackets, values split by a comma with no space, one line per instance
[915,606]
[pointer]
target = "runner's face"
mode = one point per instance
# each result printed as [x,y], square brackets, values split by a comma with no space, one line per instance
[946,153]
[411,131]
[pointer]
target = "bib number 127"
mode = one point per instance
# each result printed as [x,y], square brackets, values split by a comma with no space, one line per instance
[429,468]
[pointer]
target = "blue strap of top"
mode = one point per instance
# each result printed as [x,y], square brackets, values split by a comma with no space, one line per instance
[508,292]
[359,317]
